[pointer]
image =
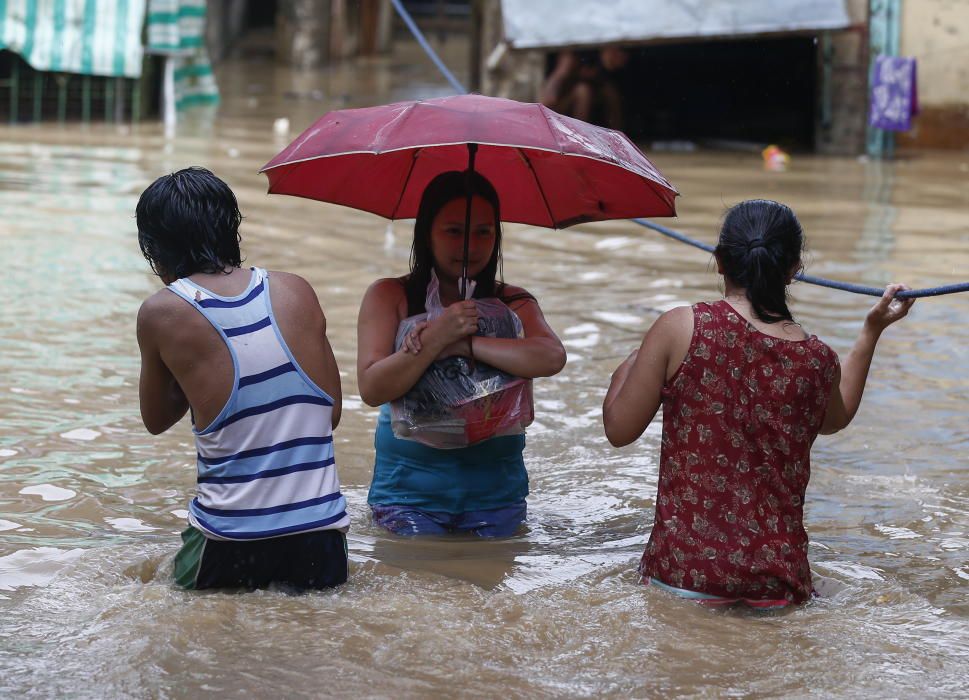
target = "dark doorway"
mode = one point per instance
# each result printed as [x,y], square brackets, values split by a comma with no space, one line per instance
[261,13]
[760,91]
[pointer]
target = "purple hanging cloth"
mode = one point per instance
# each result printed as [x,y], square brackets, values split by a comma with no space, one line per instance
[894,93]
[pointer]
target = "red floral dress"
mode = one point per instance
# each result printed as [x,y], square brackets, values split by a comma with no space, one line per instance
[739,418]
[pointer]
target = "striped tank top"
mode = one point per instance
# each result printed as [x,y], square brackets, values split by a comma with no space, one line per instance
[265,463]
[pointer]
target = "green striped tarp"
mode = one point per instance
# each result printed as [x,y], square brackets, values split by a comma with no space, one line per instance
[91,37]
[176,28]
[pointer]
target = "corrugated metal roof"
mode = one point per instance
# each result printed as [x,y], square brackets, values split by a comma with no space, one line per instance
[559,23]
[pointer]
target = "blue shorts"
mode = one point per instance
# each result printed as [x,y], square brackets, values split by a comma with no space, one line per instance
[407,520]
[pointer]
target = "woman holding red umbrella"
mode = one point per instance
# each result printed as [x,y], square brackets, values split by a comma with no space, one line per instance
[408,159]
[479,489]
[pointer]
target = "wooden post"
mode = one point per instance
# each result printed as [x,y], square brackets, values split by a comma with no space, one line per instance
[376,17]
[303,32]
[474,59]
[14,90]
[86,99]
[884,17]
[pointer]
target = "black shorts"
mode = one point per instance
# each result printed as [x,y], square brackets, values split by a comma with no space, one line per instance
[308,560]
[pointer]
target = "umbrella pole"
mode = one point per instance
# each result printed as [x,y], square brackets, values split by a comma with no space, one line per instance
[468,175]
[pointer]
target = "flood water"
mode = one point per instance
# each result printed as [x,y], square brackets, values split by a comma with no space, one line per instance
[91,504]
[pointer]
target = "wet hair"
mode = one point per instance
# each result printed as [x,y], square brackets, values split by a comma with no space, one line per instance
[445,188]
[188,222]
[760,245]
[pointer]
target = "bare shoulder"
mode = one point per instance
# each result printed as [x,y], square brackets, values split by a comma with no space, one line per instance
[675,325]
[159,308]
[517,297]
[387,290]
[677,318]
[387,285]
[294,298]
[159,313]
[291,284]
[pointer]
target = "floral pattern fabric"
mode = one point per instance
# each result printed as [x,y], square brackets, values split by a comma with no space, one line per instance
[739,418]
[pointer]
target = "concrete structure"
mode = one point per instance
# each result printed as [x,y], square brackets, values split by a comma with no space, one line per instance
[936,32]
[310,33]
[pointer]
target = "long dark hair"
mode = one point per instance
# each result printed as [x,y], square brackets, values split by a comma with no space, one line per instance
[188,222]
[760,245]
[445,188]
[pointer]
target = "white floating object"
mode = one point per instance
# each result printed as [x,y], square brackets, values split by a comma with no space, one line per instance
[34,567]
[129,525]
[587,341]
[8,525]
[233,152]
[613,243]
[281,126]
[48,492]
[181,514]
[7,453]
[852,570]
[621,318]
[897,533]
[81,434]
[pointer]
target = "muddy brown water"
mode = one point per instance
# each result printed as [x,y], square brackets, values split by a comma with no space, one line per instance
[90,504]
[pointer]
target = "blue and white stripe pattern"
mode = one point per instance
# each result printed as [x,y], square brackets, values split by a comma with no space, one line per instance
[265,464]
[91,37]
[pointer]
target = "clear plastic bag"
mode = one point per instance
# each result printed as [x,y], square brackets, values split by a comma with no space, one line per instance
[459,402]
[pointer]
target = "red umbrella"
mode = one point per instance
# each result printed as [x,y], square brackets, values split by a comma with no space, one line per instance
[549,170]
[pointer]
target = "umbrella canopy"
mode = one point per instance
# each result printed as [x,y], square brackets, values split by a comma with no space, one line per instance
[549,170]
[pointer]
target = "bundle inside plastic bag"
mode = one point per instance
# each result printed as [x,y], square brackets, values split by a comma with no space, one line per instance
[458,402]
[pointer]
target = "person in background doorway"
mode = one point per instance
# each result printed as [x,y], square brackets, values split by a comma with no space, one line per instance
[585,85]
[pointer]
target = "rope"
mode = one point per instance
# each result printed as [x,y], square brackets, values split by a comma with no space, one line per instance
[409,21]
[820,281]
[676,235]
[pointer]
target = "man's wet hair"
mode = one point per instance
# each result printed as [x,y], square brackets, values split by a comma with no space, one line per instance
[188,222]
[759,249]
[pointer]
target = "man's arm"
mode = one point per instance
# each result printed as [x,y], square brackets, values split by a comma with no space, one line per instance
[162,401]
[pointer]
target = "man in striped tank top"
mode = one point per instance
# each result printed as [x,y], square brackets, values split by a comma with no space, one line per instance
[245,351]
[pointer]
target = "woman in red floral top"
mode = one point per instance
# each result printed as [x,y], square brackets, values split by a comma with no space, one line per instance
[745,391]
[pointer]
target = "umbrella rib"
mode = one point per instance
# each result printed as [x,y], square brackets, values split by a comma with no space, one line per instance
[403,189]
[286,175]
[538,184]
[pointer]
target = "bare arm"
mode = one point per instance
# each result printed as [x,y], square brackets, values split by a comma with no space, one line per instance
[335,390]
[303,324]
[554,88]
[384,374]
[634,394]
[162,401]
[849,385]
[539,354]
